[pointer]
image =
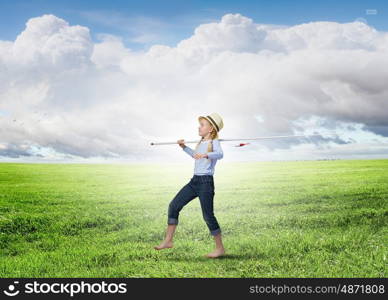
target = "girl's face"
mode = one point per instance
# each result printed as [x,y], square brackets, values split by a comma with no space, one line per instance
[205,128]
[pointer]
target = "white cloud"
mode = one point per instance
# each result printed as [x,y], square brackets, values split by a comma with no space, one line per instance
[65,94]
[110,51]
[50,41]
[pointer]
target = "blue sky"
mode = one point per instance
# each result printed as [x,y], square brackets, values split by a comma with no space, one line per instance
[143,23]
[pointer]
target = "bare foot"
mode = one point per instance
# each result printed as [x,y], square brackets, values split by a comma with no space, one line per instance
[163,245]
[216,253]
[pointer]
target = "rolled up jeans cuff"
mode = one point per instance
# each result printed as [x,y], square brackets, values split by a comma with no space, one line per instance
[215,232]
[172,221]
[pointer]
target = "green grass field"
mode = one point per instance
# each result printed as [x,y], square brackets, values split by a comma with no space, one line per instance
[279,219]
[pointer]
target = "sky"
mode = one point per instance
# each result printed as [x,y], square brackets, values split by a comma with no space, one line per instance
[144,23]
[98,81]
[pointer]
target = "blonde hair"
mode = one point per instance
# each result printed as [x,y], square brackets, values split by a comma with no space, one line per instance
[213,136]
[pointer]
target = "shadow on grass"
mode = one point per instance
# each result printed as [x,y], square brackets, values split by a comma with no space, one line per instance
[200,258]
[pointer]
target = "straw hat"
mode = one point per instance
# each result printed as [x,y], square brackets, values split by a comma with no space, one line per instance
[214,119]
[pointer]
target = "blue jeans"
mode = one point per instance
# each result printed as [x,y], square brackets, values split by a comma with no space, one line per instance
[201,186]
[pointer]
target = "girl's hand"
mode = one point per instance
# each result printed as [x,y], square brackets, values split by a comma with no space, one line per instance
[200,155]
[181,143]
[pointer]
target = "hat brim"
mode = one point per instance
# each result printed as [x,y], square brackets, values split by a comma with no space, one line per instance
[210,121]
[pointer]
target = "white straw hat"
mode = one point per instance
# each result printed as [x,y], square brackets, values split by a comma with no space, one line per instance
[214,119]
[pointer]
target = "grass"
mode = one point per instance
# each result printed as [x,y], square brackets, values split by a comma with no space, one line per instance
[279,219]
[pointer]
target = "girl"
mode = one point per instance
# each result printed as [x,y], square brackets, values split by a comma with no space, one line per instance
[206,154]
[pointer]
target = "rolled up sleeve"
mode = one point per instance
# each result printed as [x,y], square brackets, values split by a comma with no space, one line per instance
[217,152]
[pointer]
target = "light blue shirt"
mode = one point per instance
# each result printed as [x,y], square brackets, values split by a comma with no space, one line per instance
[204,166]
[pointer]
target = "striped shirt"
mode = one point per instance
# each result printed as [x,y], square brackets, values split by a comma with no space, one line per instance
[204,166]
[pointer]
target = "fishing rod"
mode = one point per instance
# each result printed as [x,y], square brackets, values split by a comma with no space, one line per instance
[243,139]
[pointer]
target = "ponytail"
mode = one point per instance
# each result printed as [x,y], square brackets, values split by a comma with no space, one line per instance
[196,147]
[213,136]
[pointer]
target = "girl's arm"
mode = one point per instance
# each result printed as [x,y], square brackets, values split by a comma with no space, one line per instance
[188,150]
[217,151]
